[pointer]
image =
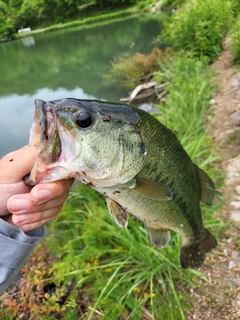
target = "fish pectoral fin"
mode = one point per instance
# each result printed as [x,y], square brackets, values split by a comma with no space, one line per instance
[152,189]
[207,187]
[159,237]
[117,213]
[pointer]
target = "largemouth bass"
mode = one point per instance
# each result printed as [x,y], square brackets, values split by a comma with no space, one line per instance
[132,159]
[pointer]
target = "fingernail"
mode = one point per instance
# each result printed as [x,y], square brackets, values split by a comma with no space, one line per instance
[18,205]
[43,196]
[19,219]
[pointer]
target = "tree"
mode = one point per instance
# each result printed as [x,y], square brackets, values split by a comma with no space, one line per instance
[6,23]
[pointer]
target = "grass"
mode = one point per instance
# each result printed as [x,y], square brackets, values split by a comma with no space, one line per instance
[119,274]
[82,22]
[100,271]
[138,275]
[184,112]
[114,266]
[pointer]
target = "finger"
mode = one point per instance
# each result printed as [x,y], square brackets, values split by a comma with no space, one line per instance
[33,226]
[33,221]
[25,205]
[15,165]
[7,190]
[46,191]
[49,193]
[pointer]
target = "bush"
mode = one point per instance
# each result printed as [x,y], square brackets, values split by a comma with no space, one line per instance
[6,23]
[129,72]
[235,34]
[199,26]
[172,3]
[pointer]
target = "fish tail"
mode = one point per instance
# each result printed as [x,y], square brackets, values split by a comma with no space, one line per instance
[193,256]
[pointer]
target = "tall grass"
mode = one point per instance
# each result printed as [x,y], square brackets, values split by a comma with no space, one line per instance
[120,271]
[189,94]
[103,272]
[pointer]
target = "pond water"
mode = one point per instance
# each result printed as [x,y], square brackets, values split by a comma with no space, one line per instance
[63,64]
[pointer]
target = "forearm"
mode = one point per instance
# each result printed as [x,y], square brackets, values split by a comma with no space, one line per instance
[15,248]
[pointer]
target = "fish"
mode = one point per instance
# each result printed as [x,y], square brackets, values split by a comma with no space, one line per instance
[131,158]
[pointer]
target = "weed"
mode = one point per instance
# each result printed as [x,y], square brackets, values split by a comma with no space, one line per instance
[130,71]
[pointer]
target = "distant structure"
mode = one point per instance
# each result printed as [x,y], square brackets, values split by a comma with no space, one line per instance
[27,40]
[22,30]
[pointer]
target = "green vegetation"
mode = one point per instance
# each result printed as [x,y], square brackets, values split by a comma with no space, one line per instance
[88,267]
[184,111]
[81,22]
[44,16]
[172,3]
[100,265]
[15,14]
[52,53]
[235,34]
[131,71]
[199,27]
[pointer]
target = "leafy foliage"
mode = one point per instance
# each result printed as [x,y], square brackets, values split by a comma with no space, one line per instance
[15,14]
[6,23]
[235,35]
[172,3]
[199,26]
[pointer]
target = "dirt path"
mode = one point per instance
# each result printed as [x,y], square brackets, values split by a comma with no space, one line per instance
[219,299]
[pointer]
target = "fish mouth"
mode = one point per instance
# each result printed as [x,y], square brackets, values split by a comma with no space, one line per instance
[50,143]
[44,135]
[46,120]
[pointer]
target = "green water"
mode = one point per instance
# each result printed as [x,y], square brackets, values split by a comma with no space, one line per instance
[66,63]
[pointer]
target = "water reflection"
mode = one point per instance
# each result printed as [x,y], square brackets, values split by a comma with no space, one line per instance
[28,41]
[66,63]
[16,114]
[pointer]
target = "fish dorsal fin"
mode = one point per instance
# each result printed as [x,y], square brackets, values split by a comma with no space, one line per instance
[207,187]
[117,213]
[152,189]
[159,237]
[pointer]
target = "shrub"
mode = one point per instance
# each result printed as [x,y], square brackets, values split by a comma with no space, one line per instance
[235,34]
[172,3]
[199,26]
[131,71]
[6,23]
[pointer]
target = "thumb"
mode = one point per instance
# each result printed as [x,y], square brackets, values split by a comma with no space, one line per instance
[15,165]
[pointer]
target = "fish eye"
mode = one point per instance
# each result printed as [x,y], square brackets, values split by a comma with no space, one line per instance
[83,119]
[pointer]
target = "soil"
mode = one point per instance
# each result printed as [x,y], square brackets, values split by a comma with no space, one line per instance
[219,297]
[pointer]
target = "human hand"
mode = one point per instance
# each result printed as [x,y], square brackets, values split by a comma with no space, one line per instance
[25,206]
